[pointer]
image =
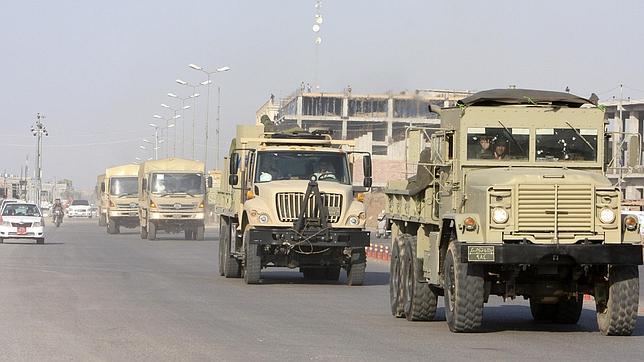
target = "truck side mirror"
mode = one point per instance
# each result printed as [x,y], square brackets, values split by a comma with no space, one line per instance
[367,182]
[366,165]
[102,186]
[234,164]
[209,182]
[144,184]
[233,179]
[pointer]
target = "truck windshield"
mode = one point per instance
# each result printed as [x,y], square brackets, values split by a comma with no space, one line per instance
[566,144]
[298,165]
[123,186]
[177,183]
[487,143]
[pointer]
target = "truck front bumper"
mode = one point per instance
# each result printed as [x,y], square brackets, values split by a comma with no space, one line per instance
[354,238]
[624,254]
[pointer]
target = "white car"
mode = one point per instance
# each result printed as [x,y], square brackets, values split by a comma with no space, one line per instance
[22,221]
[79,208]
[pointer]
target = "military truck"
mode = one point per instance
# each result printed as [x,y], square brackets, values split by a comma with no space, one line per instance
[510,199]
[288,200]
[172,197]
[101,199]
[122,203]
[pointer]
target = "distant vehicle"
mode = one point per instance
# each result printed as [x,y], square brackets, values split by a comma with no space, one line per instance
[7,201]
[79,208]
[120,190]
[22,221]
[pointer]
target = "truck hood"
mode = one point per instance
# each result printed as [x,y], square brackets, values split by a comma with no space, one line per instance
[515,176]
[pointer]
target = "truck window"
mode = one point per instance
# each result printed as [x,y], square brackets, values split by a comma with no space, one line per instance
[297,165]
[566,144]
[487,143]
[123,186]
[177,183]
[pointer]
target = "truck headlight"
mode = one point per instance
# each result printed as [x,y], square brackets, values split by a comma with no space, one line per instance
[500,215]
[353,220]
[630,222]
[607,216]
[263,218]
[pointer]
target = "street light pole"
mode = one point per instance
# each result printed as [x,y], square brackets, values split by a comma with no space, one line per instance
[194,110]
[208,82]
[156,135]
[183,123]
[38,130]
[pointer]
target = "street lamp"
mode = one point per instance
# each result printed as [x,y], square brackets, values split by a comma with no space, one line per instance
[156,127]
[194,109]
[208,82]
[183,124]
[38,130]
[167,122]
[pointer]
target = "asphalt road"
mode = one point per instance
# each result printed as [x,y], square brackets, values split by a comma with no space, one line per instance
[86,295]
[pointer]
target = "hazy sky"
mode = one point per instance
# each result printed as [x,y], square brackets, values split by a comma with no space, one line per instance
[99,70]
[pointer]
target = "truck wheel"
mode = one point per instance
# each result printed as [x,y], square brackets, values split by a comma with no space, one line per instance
[542,312]
[187,233]
[617,315]
[395,277]
[152,231]
[332,273]
[464,292]
[419,299]
[356,271]
[253,266]
[144,232]
[569,310]
[224,230]
[199,232]
[232,267]
[110,227]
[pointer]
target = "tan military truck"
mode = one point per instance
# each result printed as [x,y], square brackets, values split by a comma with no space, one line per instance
[172,197]
[101,199]
[122,204]
[510,199]
[288,200]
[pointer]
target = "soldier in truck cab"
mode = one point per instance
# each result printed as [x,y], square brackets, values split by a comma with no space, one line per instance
[500,151]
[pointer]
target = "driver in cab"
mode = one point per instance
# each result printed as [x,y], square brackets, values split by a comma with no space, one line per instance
[325,171]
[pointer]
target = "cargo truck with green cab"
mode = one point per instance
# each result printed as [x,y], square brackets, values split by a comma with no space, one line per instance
[510,199]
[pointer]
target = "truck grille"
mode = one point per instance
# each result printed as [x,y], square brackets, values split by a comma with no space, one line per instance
[289,204]
[129,205]
[537,204]
[177,206]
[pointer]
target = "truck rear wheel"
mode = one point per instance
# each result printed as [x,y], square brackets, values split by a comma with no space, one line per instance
[569,310]
[152,230]
[464,292]
[232,267]
[617,314]
[253,262]
[419,299]
[395,277]
[144,232]
[541,311]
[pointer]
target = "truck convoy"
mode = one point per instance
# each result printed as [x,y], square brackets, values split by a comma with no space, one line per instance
[121,197]
[172,197]
[288,200]
[510,199]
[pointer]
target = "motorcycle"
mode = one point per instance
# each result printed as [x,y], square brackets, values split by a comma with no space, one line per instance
[58,217]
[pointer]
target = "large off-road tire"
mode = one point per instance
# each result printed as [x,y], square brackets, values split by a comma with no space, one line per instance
[617,315]
[332,273]
[199,232]
[541,311]
[253,261]
[569,310]
[356,270]
[144,232]
[112,227]
[419,300]
[464,292]
[395,279]
[224,232]
[232,266]
[152,230]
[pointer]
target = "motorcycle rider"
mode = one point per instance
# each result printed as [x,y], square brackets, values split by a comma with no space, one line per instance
[58,207]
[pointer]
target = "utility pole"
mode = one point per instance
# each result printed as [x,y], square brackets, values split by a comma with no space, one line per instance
[38,130]
[218,124]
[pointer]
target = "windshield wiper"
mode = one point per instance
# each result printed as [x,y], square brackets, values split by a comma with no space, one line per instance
[512,138]
[582,137]
[127,194]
